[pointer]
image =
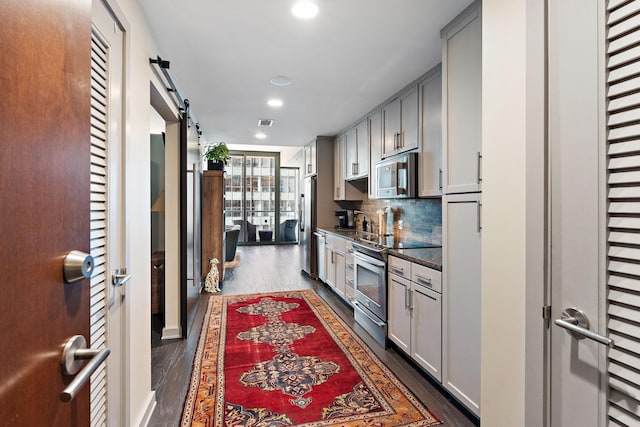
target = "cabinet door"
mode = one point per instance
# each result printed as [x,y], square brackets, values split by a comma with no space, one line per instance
[307,160]
[430,157]
[313,150]
[399,312]
[338,168]
[340,270]
[351,150]
[375,149]
[426,328]
[462,132]
[349,268]
[408,139]
[362,148]
[331,266]
[391,127]
[461,298]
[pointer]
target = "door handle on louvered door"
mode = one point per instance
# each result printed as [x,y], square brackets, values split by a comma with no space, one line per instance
[120,277]
[577,323]
[74,352]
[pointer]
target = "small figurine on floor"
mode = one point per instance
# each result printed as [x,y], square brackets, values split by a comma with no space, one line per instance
[212,282]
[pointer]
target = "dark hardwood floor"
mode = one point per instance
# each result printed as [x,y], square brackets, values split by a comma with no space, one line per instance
[271,269]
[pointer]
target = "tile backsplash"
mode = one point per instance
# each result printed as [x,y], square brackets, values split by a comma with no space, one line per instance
[418,219]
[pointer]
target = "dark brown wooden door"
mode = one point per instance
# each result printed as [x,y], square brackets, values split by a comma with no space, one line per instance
[44,199]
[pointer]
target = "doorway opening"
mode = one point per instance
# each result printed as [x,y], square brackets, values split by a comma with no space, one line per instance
[261,198]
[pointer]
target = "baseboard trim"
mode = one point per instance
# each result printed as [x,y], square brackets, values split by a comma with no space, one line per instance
[171,333]
[151,406]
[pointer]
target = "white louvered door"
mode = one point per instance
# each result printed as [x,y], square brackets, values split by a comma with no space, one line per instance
[108,398]
[99,244]
[623,149]
[594,143]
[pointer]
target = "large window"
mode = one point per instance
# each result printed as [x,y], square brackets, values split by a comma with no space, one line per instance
[266,213]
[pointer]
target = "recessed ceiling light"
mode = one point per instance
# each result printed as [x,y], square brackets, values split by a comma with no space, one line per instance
[304,9]
[261,135]
[280,81]
[274,102]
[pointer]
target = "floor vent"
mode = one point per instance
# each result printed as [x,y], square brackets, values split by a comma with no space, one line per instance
[265,123]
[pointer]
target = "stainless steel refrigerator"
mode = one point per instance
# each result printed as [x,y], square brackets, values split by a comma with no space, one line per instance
[308,223]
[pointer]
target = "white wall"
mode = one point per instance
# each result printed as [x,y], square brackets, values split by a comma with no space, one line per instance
[503,212]
[513,213]
[289,156]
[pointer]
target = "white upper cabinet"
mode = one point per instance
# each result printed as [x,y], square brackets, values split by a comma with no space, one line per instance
[462,102]
[362,138]
[310,160]
[357,151]
[341,189]
[400,122]
[338,167]
[351,153]
[430,157]
[375,148]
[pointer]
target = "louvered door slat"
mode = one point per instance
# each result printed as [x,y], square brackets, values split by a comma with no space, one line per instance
[623,266]
[624,72]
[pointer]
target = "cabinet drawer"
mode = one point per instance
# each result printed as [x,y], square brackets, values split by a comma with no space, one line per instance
[399,267]
[427,277]
[349,266]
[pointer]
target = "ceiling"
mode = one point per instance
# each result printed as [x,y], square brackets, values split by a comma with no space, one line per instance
[344,62]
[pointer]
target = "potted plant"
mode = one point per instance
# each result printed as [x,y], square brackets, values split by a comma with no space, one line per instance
[217,156]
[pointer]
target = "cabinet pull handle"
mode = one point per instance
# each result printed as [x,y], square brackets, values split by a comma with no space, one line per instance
[411,299]
[398,270]
[424,280]
[479,166]
[401,139]
[479,217]
[440,179]
[406,297]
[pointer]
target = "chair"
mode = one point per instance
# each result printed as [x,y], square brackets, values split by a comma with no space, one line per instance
[248,230]
[231,242]
[288,230]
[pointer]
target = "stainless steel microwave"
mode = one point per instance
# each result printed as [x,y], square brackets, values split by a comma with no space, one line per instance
[397,176]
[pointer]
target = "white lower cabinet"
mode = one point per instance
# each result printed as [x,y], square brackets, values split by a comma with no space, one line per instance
[340,273]
[348,275]
[426,329]
[399,312]
[461,297]
[415,313]
[335,251]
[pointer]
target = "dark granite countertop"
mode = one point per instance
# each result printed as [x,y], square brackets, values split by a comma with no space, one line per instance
[429,257]
[348,233]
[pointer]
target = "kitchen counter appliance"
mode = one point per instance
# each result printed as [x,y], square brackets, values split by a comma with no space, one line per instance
[396,177]
[370,281]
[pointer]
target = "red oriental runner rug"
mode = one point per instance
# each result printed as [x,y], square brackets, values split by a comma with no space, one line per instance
[285,359]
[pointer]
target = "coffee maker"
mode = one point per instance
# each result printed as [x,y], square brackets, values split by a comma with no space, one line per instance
[345,218]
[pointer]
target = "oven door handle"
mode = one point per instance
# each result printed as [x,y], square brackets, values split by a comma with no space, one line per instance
[371,261]
[376,321]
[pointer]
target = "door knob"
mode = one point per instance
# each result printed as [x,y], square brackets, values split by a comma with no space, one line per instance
[74,352]
[77,266]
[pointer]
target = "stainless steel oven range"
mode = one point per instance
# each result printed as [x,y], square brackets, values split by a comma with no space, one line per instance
[370,282]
